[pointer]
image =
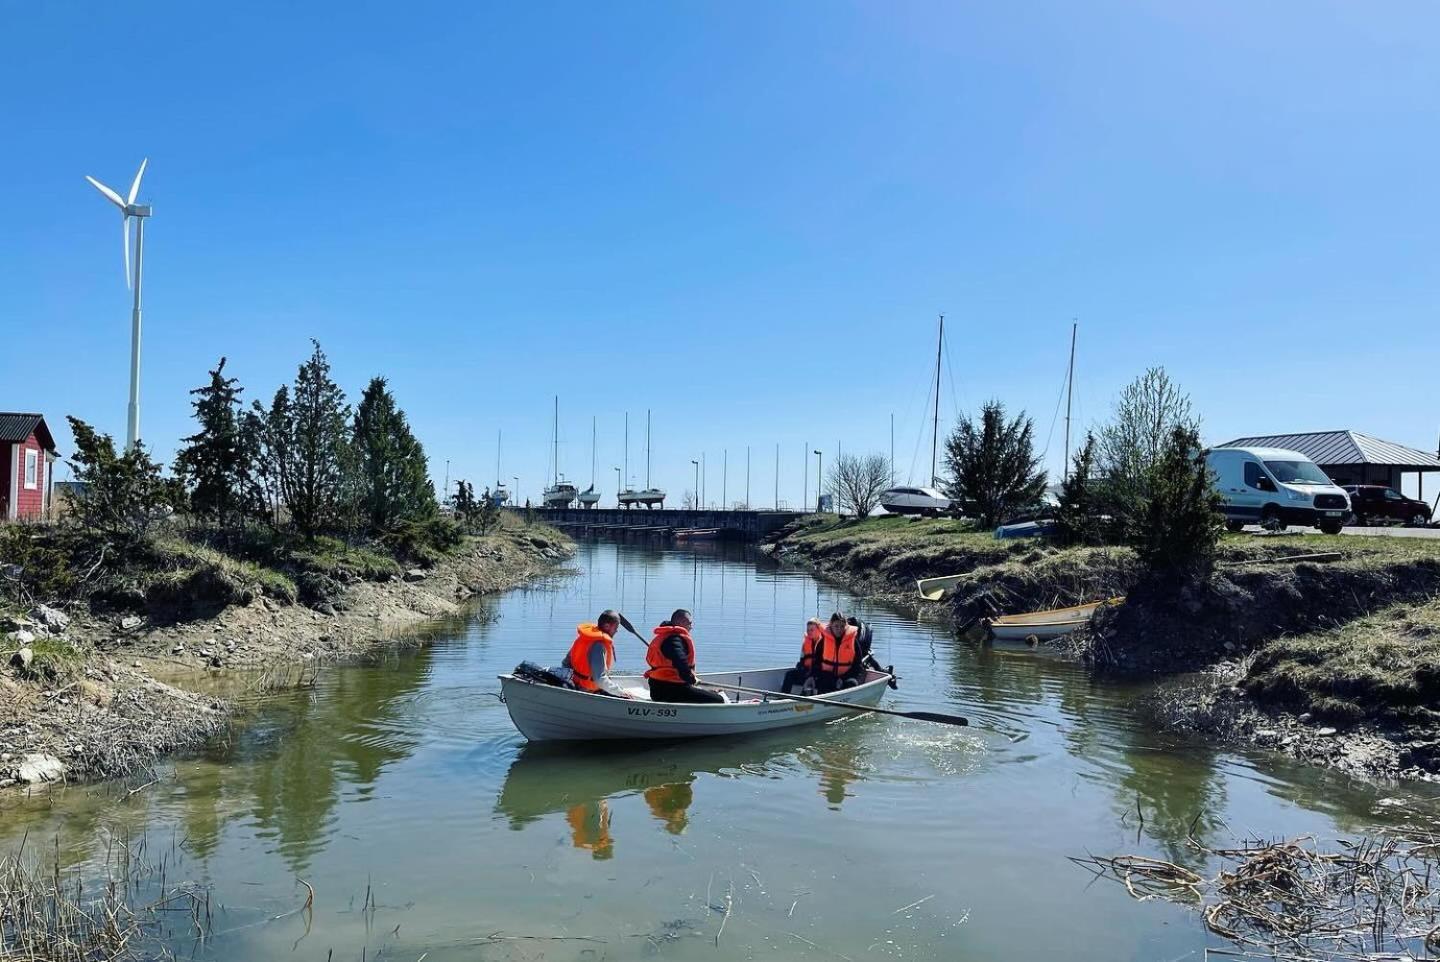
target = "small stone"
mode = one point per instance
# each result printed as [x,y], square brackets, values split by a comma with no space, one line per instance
[52,620]
[1325,732]
[131,622]
[22,637]
[415,574]
[40,768]
[22,658]
[1305,717]
[134,664]
[178,650]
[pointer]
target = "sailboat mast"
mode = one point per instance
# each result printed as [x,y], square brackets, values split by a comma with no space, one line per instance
[555,439]
[627,449]
[647,449]
[592,452]
[1069,392]
[935,429]
[499,435]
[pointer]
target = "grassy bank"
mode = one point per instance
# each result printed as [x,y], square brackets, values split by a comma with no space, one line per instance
[104,685]
[1349,641]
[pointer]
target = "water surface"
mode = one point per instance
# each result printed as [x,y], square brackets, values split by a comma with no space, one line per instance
[864,839]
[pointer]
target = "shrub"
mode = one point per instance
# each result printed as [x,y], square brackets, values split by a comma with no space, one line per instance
[1182,522]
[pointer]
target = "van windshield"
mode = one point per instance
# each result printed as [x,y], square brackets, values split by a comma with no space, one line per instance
[1297,472]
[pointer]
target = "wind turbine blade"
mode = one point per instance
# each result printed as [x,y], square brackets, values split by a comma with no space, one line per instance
[110,195]
[125,228]
[135,187]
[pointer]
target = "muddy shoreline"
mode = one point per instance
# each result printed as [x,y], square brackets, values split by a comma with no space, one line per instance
[116,715]
[1200,676]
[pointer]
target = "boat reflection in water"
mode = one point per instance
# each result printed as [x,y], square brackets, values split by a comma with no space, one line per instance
[582,782]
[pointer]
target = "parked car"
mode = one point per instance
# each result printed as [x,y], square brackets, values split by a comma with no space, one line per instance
[1376,503]
[1274,487]
[926,501]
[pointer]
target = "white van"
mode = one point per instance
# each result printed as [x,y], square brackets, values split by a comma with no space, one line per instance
[1273,487]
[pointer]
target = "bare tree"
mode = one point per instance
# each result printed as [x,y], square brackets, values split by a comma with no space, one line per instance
[858,480]
[1146,415]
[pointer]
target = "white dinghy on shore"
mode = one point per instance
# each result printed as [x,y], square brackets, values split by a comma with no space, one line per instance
[545,713]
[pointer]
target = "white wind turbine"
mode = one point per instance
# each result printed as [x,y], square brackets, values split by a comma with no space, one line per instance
[129,209]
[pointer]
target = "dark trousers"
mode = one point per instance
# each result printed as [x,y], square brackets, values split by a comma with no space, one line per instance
[794,678]
[826,683]
[679,693]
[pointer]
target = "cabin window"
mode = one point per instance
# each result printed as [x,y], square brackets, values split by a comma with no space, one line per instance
[1252,474]
[32,469]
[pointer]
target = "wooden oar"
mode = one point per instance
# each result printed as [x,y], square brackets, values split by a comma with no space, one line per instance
[930,716]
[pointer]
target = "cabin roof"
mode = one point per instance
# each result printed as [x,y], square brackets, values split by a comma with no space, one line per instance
[15,427]
[1343,447]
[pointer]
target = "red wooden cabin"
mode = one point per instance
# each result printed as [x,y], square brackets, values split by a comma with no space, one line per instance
[27,453]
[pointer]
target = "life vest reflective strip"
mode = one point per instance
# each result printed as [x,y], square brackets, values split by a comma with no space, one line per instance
[837,657]
[588,634]
[660,667]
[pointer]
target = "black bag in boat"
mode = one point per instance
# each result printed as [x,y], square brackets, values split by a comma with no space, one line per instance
[529,671]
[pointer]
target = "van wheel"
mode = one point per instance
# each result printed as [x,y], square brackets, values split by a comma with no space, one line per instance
[1235,526]
[1270,518]
[1331,527]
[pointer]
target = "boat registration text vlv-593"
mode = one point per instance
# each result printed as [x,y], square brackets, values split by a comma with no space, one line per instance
[653,712]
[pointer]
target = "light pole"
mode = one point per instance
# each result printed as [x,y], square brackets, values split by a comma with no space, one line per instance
[805,479]
[447,481]
[516,479]
[819,476]
[695,498]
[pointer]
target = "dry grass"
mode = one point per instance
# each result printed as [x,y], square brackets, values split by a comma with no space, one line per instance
[51,915]
[1384,666]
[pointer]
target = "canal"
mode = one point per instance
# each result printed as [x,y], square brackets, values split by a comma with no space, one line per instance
[400,791]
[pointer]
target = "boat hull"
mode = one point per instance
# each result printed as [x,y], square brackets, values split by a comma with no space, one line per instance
[545,713]
[1045,624]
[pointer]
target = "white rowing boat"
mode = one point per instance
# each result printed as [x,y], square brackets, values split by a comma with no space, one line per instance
[550,713]
[933,589]
[1044,625]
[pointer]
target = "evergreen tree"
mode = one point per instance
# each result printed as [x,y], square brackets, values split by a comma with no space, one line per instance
[216,463]
[1142,426]
[992,464]
[1078,519]
[392,471]
[1183,521]
[124,494]
[305,436]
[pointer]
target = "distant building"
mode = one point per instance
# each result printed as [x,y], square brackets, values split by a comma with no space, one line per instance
[1350,457]
[27,452]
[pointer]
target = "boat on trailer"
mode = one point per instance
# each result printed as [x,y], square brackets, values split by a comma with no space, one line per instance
[546,713]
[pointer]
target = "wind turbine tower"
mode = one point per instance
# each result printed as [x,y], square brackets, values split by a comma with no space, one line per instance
[128,210]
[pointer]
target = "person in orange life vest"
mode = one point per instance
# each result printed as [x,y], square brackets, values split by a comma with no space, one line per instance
[592,654]
[672,664]
[802,676]
[842,663]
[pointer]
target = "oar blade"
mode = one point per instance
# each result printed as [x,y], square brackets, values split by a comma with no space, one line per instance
[935,716]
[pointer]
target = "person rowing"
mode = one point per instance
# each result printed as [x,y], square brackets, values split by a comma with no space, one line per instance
[593,654]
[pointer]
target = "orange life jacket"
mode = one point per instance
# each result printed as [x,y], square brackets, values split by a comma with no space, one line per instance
[586,635]
[837,656]
[660,667]
[810,649]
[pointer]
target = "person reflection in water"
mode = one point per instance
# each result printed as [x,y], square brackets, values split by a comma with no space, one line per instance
[671,804]
[590,828]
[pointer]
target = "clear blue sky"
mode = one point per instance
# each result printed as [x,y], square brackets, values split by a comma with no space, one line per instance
[744,216]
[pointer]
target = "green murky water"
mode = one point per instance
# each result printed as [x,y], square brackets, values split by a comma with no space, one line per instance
[868,839]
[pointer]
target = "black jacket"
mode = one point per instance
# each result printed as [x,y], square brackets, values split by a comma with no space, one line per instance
[675,650]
